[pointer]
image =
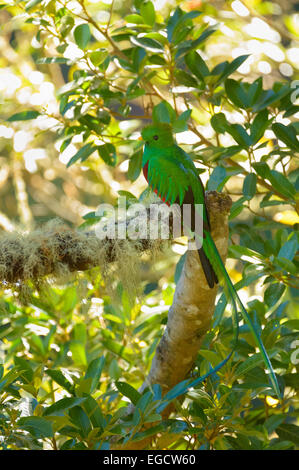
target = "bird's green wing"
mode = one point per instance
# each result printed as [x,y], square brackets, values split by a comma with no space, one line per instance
[168,177]
[171,173]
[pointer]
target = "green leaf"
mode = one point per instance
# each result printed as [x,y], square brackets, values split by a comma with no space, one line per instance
[36,426]
[108,153]
[197,65]
[232,67]
[204,35]
[144,401]
[282,184]
[159,37]
[79,332]
[240,135]
[188,46]
[292,324]
[237,208]
[262,169]
[248,364]
[211,356]
[128,391]
[26,371]
[94,412]
[134,19]
[66,24]
[219,123]
[273,293]
[147,12]
[97,57]
[23,116]
[289,249]
[287,134]
[94,372]
[90,215]
[236,93]
[217,179]
[289,432]
[272,422]
[10,377]
[61,406]
[238,251]
[82,35]
[118,349]
[150,431]
[53,60]
[270,97]
[180,25]
[173,21]
[259,125]
[184,78]
[135,164]
[286,265]
[177,390]
[180,124]
[163,112]
[249,185]
[80,419]
[149,44]
[91,122]
[4,329]
[254,91]
[82,154]
[77,349]
[103,116]
[59,378]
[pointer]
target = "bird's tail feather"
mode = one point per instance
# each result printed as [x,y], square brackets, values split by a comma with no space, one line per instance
[207,268]
[231,293]
[213,255]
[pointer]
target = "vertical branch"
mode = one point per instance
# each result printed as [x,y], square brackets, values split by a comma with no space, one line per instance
[193,306]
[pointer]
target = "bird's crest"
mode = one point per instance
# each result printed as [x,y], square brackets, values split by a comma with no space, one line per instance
[158,135]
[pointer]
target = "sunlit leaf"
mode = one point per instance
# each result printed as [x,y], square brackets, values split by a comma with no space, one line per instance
[24,116]
[82,35]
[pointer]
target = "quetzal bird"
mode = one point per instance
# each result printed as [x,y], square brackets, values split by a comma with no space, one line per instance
[171,174]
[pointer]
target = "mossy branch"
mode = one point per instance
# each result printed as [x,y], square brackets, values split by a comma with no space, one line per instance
[56,249]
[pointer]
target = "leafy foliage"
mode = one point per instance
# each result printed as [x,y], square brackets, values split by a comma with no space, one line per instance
[72,358]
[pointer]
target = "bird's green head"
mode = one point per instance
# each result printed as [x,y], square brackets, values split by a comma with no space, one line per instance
[158,135]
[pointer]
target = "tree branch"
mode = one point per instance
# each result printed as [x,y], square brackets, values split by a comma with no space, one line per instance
[56,249]
[53,250]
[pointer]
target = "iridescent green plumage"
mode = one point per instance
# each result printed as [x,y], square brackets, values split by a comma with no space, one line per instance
[172,174]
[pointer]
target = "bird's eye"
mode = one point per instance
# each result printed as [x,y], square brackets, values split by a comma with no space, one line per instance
[156,137]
